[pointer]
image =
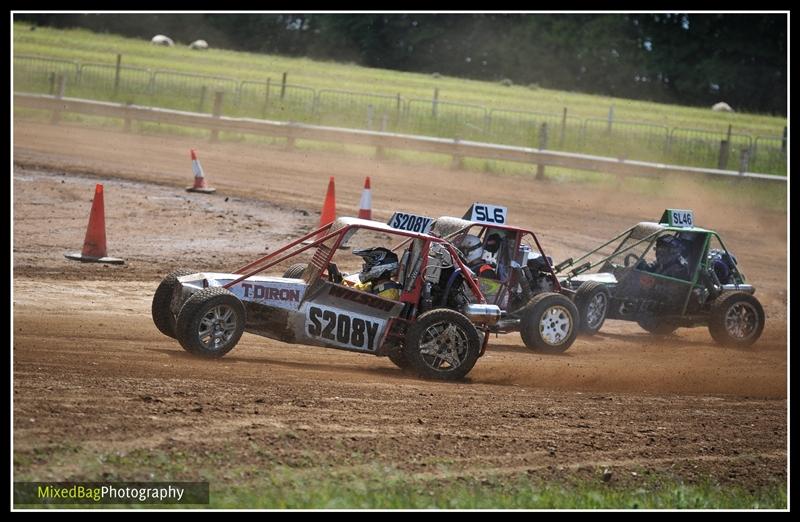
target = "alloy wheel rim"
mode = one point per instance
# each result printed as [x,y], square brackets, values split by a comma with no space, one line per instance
[741,321]
[444,346]
[217,327]
[555,325]
[596,311]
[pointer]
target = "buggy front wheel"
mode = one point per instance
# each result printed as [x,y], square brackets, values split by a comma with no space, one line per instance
[737,319]
[549,323]
[442,344]
[211,322]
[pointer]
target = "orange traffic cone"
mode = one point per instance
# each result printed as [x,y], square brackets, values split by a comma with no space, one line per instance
[199,179]
[329,206]
[328,210]
[365,206]
[94,244]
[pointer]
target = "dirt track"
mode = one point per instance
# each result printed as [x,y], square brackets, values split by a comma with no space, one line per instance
[92,372]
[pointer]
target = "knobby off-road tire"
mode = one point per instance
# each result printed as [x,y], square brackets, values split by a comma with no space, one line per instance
[211,322]
[549,323]
[656,325]
[592,299]
[295,271]
[737,319]
[162,316]
[442,344]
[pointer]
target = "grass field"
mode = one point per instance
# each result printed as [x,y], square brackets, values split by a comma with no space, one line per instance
[86,46]
[314,485]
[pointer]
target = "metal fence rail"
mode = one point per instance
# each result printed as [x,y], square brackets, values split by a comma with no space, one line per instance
[769,154]
[625,139]
[358,108]
[291,102]
[447,119]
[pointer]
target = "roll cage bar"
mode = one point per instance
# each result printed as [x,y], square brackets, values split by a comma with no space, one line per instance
[346,225]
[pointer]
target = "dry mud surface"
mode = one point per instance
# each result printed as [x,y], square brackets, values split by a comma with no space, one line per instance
[93,377]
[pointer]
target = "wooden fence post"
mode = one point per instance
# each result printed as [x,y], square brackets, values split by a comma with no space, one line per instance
[379,153]
[127,126]
[398,109]
[724,150]
[201,105]
[370,113]
[116,75]
[62,82]
[217,112]
[783,141]
[283,86]
[435,105]
[563,129]
[610,117]
[458,160]
[266,100]
[542,146]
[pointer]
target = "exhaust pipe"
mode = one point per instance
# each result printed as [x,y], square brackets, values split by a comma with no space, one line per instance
[487,314]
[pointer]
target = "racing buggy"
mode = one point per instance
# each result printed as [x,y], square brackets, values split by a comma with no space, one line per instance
[512,272]
[314,303]
[664,276]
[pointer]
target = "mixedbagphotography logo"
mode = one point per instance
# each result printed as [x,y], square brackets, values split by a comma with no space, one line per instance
[44,493]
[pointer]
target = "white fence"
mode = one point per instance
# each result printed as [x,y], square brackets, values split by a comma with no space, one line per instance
[381,140]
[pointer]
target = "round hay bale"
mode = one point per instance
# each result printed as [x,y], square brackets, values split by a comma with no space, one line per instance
[199,44]
[721,107]
[160,39]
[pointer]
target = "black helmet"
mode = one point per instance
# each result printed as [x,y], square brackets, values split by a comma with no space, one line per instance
[493,242]
[379,262]
[668,249]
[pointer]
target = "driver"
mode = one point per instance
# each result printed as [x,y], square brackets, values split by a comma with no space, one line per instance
[723,264]
[472,248]
[670,258]
[380,265]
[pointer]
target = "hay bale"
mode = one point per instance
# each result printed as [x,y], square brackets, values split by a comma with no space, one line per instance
[160,39]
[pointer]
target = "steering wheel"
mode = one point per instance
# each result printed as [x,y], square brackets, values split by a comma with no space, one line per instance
[334,276]
[628,259]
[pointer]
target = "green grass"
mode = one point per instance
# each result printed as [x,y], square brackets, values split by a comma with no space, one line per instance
[641,142]
[306,480]
[78,44]
[388,488]
[392,490]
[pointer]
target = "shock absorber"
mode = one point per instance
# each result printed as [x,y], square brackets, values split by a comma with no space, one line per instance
[426,301]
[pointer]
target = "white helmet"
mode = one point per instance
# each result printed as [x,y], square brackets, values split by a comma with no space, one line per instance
[472,248]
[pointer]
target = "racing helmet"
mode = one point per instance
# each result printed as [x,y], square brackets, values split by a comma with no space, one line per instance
[493,242]
[668,249]
[472,248]
[723,264]
[379,263]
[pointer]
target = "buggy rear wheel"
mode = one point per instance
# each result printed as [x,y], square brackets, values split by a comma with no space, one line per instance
[211,322]
[737,319]
[162,299]
[442,344]
[295,271]
[592,300]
